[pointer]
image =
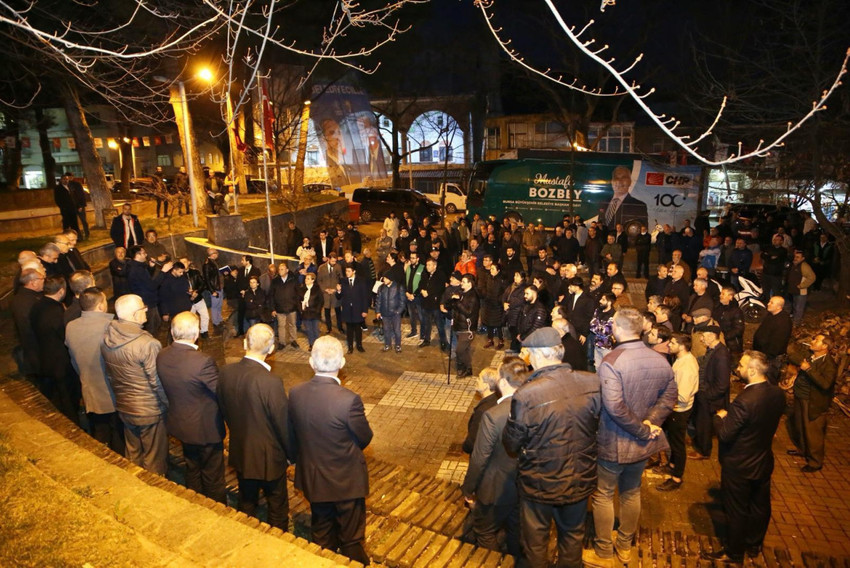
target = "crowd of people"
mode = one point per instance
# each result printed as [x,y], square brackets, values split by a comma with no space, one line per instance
[596,388]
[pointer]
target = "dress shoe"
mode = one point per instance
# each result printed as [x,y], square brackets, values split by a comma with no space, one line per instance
[753,551]
[350,350]
[281,346]
[294,344]
[424,343]
[809,469]
[386,348]
[696,456]
[590,558]
[413,333]
[722,556]
[794,452]
[501,345]
[669,485]
[205,335]
[464,373]
[360,348]
[489,344]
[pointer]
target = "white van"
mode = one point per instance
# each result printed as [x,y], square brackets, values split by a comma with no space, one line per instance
[455,197]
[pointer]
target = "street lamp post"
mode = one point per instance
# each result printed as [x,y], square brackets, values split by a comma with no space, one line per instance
[193,189]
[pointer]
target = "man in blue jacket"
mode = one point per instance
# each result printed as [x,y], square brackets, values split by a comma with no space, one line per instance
[638,393]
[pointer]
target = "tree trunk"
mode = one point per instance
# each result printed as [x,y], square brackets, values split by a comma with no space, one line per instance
[101,196]
[237,158]
[396,157]
[197,171]
[12,168]
[42,123]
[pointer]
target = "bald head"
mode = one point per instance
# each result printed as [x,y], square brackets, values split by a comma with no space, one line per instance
[128,307]
[25,255]
[185,326]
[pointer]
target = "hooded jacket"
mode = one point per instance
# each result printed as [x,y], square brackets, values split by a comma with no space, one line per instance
[129,353]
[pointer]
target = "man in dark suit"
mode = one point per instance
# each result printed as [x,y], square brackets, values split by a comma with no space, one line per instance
[330,431]
[71,200]
[580,307]
[190,380]
[59,382]
[490,482]
[243,276]
[126,230]
[354,298]
[622,208]
[746,459]
[713,393]
[255,408]
[27,296]
[323,246]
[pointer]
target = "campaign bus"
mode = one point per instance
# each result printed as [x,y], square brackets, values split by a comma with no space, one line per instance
[628,189]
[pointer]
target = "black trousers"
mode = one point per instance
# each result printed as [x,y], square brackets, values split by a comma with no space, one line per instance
[205,470]
[747,506]
[464,351]
[535,520]
[240,317]
[277,497]
[807,434]
[354,334]
[676,427]
[338,318]
[107,429]
[489,520]
[341,525]
[703,424]
[84,224]
[643,262]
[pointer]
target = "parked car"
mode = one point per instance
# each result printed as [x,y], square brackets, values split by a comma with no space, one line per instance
[455,197]
[377,203]
[318,188]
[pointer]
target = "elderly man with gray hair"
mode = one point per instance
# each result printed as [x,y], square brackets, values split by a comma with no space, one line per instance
[78,282]
[638,393]
[256,410]
[330,432]
[190,379]
[129,353]
[552,429]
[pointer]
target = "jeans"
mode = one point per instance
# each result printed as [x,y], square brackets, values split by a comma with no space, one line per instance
[434,317]
[311,328]
[799,308]
[625,477]
[214,303]
[414,310]
[392,329]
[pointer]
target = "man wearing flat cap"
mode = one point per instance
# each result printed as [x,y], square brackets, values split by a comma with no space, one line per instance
[713,393]
[552,429]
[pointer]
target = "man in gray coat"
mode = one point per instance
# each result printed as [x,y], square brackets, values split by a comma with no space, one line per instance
[638,393]
[130,356]
[330,432]
[83,337]
[190,379]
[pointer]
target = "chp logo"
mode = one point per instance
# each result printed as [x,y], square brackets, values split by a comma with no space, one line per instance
[662,179]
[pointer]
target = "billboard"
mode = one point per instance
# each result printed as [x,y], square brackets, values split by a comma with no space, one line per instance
[348,135]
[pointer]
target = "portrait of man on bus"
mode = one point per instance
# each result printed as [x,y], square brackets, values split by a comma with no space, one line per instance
[622,208]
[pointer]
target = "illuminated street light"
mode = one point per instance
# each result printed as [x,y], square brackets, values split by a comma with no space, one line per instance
[206,74]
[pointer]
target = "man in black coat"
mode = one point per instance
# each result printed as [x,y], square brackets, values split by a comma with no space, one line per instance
[71,200]
[614,275]
[286,300]
[431,288]
[490,482]
[174,293]
[730,318]
[58,382]
[746,435]
[533,315]
[773,335]
[580,307]
[255,408]
[27,296]
[243,276]
[699,299]
[643,243]
[464,306]
[126,230]
[190,380]
[354,297]
[713,393]
[330,432]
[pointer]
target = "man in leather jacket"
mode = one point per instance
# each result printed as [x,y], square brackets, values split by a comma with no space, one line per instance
[197,289]
[213,294]
[464,306]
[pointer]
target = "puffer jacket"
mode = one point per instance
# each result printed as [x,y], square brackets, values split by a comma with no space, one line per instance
[129,353]
[553,430]
[390,300]
[531,317]
[515,299]
[637,384]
